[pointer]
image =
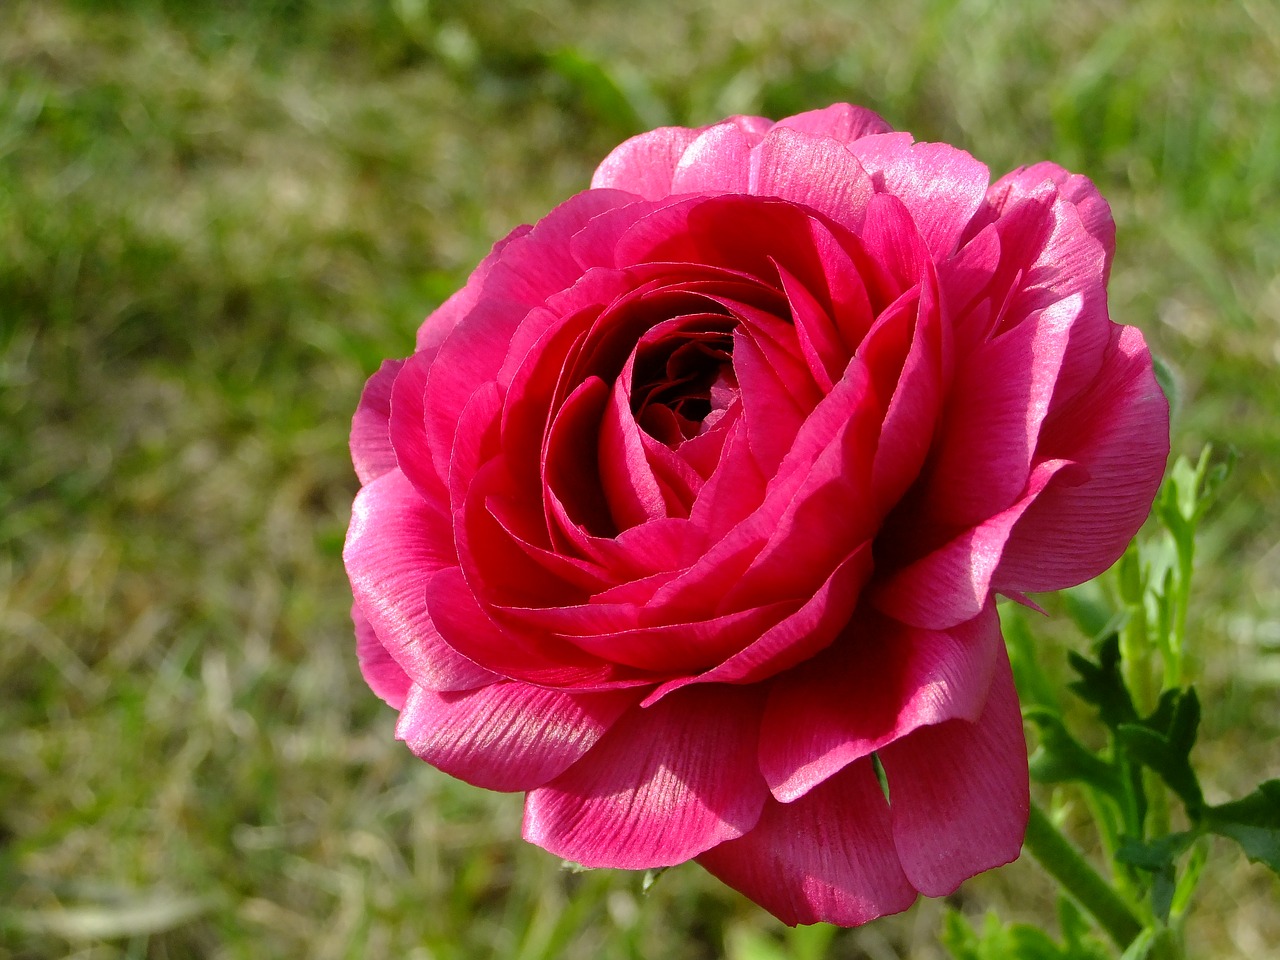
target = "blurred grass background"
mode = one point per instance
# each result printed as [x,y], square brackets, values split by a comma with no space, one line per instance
[216,219]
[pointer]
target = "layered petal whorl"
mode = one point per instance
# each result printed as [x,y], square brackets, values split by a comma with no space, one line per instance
[699,493]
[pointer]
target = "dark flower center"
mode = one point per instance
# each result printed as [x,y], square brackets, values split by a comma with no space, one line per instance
[683,382]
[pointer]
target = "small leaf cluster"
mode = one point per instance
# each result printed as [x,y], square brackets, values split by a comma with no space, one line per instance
[1018,941]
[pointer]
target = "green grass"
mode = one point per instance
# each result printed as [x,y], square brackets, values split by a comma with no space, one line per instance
[215,220]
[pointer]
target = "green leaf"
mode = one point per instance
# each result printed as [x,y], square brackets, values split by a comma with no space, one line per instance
[1253,822]
[1062,758]
[1155,854]
[1102,684]
[1163,742]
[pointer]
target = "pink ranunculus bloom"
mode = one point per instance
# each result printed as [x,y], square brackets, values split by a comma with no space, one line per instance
[692,505]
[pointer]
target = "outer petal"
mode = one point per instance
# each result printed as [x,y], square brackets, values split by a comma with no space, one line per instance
[507,735]
[827,857]
[1118,431]
[881,681]
[371,450]
[959,792]
[662,786]
[718,161]
[393,545]
[816,171]
[952,583]
[380,671]
[645,164]
[842,121]
[1095,212]
[942,186]
[993,417]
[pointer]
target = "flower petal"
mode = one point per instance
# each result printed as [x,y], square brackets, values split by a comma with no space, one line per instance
[794,638]
[662,786]
[815,171]
[718,161]
[952,583]
[1118,432]
[380,671]
[645,164]
[842,121]
[878,683]
[371,450]
[507,735]
[1094,211]
[993,416]
[959,792]
[394,544]
[827,857]
[942,186]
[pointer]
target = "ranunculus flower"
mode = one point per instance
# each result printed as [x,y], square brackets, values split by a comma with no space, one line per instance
[691,507]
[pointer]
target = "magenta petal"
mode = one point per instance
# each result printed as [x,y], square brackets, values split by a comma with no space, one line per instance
[394,544]
[1118,431]
[796,637]
[371,450]
[407,426]
[1095,212]
[828,857]
[507,735]
[380,671]
[952,583]
[718,161]
[881,681]
[465,625]
[959,792]
[529,269]
[645,164]
[815,171]
[993,417]
[942,186]
[630,487]
[842,121]
[662,786]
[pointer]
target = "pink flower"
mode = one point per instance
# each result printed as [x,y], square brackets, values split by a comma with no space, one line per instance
[692,505]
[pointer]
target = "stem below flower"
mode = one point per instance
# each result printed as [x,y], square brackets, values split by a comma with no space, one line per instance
[1065,864]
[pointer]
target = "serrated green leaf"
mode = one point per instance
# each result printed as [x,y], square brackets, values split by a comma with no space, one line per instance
[1253,822]
[1102,684]
[1062,758]
[1163,742]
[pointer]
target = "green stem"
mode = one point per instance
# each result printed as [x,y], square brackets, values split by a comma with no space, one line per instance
[1065,864]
